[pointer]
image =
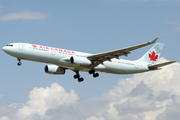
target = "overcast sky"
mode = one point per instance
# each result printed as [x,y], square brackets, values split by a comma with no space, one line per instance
[94,26]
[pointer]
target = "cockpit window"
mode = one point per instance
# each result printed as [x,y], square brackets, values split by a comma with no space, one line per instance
[10,45]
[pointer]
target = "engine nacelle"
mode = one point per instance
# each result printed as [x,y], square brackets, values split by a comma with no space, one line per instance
[54,69]
[80,61]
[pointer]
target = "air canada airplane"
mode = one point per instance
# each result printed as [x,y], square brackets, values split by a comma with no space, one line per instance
[109,62]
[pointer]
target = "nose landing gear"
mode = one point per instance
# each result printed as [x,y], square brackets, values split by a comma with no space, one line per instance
[19,63]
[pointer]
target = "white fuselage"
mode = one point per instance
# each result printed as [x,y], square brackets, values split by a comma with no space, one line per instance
[60,57]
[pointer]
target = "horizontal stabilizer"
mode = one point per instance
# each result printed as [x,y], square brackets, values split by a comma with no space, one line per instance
[152,67]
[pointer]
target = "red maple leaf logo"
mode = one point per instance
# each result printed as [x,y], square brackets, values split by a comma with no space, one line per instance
[153,56]
[34,46]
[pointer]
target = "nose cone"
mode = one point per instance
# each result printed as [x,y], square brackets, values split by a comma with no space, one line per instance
[4,48]
[9,50]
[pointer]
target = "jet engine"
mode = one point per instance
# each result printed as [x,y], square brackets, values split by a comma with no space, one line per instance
[54,69]
[80,61]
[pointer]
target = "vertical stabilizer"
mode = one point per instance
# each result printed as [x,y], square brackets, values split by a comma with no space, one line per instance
[153,54]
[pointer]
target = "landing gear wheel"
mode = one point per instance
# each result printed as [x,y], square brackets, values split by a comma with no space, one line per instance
[91,71]
[76,76]
[96,75]
[80,79]
[19,63]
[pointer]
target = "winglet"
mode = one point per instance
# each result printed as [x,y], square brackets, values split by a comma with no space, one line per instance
[153,41]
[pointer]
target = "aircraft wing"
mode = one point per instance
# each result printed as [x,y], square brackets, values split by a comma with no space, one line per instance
[153,67]
[101,57]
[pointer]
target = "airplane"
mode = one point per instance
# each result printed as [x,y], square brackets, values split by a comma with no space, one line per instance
[109,62]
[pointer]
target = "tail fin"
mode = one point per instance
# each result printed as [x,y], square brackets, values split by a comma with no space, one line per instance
[153,54]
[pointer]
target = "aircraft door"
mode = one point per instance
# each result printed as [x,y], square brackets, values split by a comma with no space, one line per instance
[20,46]
[53,52]
[136,65]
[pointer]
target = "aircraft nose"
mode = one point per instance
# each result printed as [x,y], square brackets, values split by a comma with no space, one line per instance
[4,49]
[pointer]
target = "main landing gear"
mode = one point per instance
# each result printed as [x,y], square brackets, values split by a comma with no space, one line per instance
[80,79]
[19,63]
[93,72]
[77,76]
